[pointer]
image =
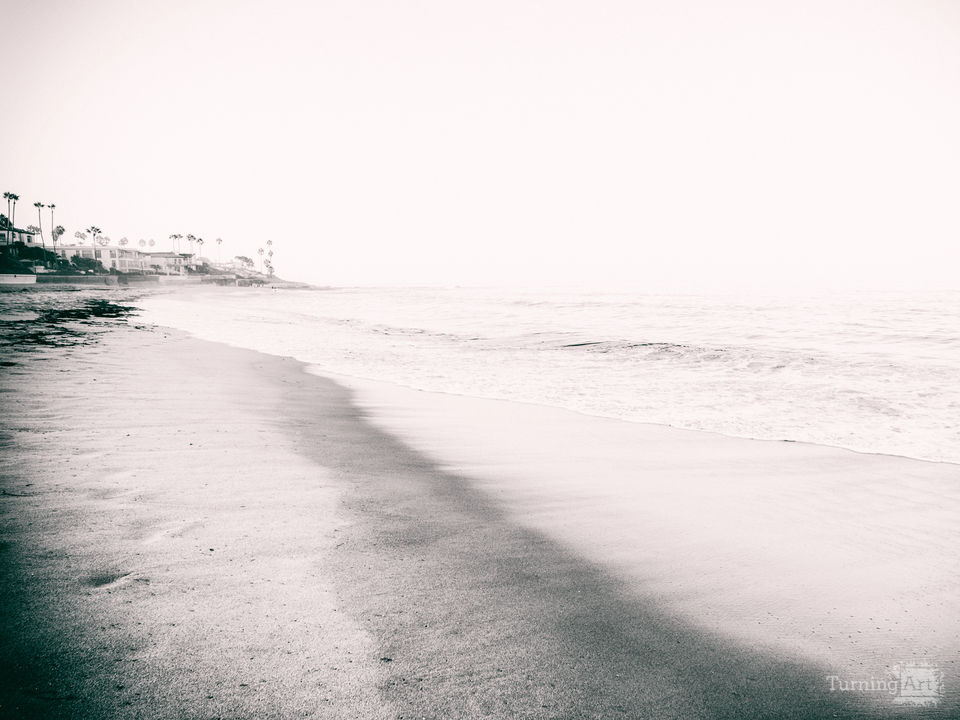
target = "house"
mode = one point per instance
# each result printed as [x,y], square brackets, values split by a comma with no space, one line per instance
[168,263]
[111,257]
[130,261]
[9,235]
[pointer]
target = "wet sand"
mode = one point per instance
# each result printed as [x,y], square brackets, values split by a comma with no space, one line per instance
[846,559]
[191,530]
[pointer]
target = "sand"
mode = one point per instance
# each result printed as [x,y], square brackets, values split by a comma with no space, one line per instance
[191,530]
[846,559]
[161,542]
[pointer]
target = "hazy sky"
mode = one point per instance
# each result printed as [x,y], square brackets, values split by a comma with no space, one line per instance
[674,145]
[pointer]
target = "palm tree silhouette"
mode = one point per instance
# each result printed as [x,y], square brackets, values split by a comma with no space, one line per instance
[8,196]
[53,228]
[94,236]
[39,206]
[175,238]
[219,243]
[191,239]
[11,199]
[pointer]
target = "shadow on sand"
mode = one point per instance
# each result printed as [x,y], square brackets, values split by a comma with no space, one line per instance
[477,616]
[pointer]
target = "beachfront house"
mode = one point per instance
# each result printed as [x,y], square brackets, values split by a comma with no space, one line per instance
[168,263]
[111,257]
[129,260]
[9,235]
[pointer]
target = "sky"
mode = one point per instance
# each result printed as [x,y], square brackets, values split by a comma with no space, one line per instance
[681,145]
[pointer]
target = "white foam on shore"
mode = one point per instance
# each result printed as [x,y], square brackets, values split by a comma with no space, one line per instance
[868,373]
[848,559]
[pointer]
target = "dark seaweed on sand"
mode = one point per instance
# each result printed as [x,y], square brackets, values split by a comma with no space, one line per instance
[54,319]
[91,309]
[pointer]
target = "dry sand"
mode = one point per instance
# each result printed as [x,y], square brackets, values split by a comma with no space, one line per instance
[195,531]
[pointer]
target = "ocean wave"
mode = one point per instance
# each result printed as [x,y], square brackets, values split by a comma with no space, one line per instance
[861,373]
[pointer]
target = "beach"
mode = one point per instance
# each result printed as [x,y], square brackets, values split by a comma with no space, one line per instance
[197,530]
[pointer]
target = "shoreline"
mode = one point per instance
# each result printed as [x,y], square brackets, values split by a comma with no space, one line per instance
[360,381]
[797,429]
[437,602]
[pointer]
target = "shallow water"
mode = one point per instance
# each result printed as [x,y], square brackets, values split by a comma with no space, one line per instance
[869,372]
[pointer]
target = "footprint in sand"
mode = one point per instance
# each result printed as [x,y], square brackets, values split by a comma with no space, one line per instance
[173,530]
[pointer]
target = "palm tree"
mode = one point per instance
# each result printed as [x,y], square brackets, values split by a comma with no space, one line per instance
[191,239]
[94,235]
[11,213]
[174,241]
[52,227]
[219,242]
[7,197]
[123,242]
[57,233]
[81,236]
[200,248]
[39,206]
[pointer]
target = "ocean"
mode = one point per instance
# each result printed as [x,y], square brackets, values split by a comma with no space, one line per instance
[877,373]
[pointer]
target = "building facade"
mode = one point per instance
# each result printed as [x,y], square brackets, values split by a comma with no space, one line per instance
[8,236]
[128,260]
